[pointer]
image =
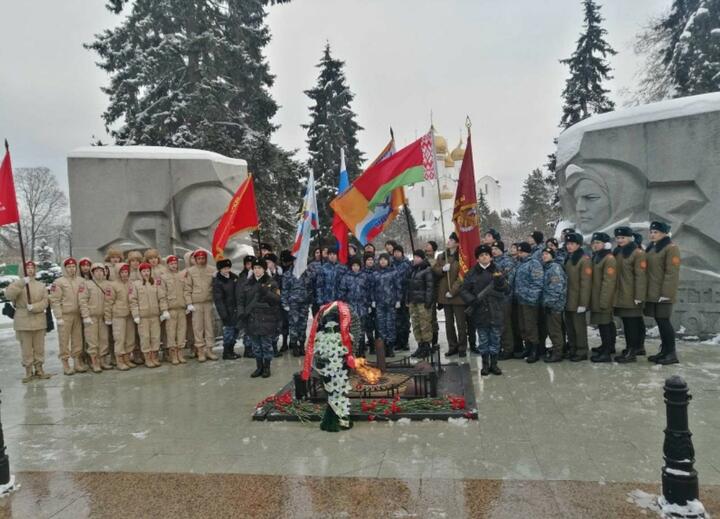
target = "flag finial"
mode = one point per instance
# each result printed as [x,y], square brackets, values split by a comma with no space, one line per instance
[7,146]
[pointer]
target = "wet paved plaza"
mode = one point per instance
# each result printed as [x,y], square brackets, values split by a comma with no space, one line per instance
[552,431]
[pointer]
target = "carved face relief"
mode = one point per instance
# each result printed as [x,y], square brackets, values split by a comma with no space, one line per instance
[592,205]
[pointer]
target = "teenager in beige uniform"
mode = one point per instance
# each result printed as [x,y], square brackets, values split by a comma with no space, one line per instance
[29,322]
[176,326]
[148,305]
[117,313]
[134,258]
[152,256]
[66,309]
[198,298]
[113,260]
[91,295]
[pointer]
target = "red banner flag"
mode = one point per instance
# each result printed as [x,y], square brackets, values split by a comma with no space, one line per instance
[241,215]
[8,202]
[465,212]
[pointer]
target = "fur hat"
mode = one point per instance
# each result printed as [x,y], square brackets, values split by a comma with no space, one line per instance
[524,246]
[221,264]
[623,231]
[660,226]
[286,256]
[494,234]
[266,246]
[574,237]
[549,251]
[113,253]
[249,259]
[538,237]
[499,244]
[601,236]
[271,256]
[260,262]
[553,241]
[483,249]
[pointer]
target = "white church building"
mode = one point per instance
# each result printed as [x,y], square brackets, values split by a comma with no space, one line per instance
[423,197]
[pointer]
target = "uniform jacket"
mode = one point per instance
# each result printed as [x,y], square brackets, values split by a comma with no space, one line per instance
[631,266]
[117,300]
[528,282]
[455,282]
[604,282]
[64,295]
[112,271]
[421,285]
[403,266]
[554,292]
[385,287]
[488,311]
[579,278]
[198,285]
[175,289]
[506,265]
[537,252]
[25,320]
[354,291]
[147,300]
[663,270]
[296,291]
[327,282]
[224,297]
[258,305]
[92,294]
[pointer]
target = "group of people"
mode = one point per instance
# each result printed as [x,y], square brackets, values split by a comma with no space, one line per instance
[118,314]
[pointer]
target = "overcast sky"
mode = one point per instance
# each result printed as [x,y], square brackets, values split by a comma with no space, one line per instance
[494,61]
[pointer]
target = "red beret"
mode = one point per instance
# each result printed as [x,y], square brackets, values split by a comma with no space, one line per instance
[171,259]
[124,267]
[199,254]
[145,266]
[69,261]
[85,261]
[29,262]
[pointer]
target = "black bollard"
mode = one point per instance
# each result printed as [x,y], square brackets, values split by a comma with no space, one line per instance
[679,478]
[4,460]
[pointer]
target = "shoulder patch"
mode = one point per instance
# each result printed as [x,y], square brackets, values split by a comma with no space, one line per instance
[643,264]
[130,288]
[554,279]
[587,271]
[53,287]
[676,260]
[81,289]
[108,291]
[158,282]
[610,271]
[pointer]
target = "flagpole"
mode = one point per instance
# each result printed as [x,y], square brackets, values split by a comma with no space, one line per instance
[22,247]
[442,218]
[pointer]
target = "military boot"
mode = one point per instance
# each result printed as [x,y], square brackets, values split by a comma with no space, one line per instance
[104,364]
[627,358]
[266,368]
[248,353]
[534,354]
[128,361]
[201,355]
[120,363]
[602,356]
[669,358]
[258,369]
[40,372]
[494,368]
[174,357]
[95,364]
[423,350]
[180,357]
[209,354]
[528,350]
[554,355]
[485,371]
[659,354]
[28,375]
[67,369]
[80,366]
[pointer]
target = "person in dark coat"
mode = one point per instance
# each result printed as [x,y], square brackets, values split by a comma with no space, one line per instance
[421,301]
[223,287]
[484,291]
[258,310]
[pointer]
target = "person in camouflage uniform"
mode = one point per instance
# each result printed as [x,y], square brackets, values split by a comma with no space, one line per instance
[403,267]
[327,279]
[370,320]
[528,285]
[295,301]
[663,278]
[506,265]
[354,291]
[385,298]
[553,301]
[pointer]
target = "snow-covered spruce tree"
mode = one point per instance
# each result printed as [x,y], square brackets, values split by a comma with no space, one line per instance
[487,219]
[584,94]
[537,211]
[682,50]
[190,73]
[332,127]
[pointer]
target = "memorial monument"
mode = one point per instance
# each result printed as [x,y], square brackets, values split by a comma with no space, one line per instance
[138,197]
[659,161]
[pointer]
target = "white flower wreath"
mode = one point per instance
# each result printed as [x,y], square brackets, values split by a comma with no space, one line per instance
[329,353]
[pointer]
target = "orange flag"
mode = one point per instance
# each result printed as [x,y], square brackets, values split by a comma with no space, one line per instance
[465,212]
[241,215]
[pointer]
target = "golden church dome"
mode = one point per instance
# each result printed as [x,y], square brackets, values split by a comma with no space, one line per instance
[449,162]
[459,152]
[441,147]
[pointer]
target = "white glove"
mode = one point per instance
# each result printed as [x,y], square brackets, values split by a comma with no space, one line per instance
[59,322]
[190,308]
[87,321]
[581,309]
[370,310]
[165,316]
[137,320]
[446,267]
[372,305]
[29,308]
[663,299]
[397,305]
[286,308]
[448,295]
[26,279]
[637,302]
[109,323]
